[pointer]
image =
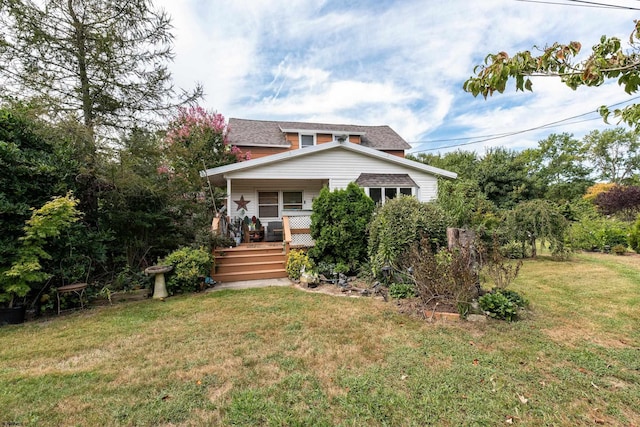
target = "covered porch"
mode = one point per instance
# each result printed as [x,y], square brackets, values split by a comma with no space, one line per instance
[254,259]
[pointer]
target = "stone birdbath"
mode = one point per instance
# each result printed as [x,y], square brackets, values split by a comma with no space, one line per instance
[160,287]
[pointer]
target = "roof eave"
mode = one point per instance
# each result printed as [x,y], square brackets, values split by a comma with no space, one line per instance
[274,158]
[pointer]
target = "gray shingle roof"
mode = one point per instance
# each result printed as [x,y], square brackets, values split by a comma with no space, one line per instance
[385,180]
[243,132]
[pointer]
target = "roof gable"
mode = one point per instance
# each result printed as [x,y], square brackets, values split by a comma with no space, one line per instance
[311,151]
[247,133]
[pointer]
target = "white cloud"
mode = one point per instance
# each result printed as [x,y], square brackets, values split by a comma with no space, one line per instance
[395,63]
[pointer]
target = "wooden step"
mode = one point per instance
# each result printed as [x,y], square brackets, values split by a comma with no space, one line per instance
[248,258]
[249,262]
[250,275]
[258,264]
[250,248]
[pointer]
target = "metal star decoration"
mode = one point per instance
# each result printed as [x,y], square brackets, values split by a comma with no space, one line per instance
[242,203]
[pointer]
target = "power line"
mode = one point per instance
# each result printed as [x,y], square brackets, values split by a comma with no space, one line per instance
[485,138]
[582,3]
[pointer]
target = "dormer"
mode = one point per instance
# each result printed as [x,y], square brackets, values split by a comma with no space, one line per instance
[301,138]
[264,138]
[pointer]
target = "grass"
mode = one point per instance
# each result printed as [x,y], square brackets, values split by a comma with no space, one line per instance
[280,356]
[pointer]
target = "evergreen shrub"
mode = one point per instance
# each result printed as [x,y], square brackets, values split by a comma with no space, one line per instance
[339,226]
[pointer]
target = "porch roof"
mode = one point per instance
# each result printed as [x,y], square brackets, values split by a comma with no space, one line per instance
[218,175]
[385,180]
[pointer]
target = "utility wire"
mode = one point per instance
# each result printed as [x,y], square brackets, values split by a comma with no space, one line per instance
[579,3]
[485,138]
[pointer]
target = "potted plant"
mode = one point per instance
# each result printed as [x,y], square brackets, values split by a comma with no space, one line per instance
[15,282]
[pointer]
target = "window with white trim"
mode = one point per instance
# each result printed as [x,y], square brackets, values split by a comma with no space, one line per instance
[376,193]
[307,140]
[292,200]
[268,204]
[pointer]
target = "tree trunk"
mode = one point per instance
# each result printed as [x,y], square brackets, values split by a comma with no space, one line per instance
[534,252]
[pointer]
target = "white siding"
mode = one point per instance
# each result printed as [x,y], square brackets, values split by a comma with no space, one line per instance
[335,168]
[249,190]
[340,167]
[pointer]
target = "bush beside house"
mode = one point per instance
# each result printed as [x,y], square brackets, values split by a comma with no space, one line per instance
[339,226]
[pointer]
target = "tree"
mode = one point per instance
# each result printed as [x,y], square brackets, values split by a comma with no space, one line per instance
[32,169]
[195,139]
[463,163]
[467,206]
[607,61]
[622,200]
[502,176]
[104,61]
[137,207]
[615,153]
[45,223]
[535,220]
[558,166]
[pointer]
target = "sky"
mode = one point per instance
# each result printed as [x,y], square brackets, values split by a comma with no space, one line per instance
[398,63]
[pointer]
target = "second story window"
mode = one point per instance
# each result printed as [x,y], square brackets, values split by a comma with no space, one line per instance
[307,140]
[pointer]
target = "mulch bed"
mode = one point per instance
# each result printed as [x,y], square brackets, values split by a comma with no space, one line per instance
[409,306]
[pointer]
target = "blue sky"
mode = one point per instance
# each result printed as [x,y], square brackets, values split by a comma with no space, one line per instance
[400,63]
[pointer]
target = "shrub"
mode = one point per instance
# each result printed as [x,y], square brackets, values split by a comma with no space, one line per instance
[190,266]
[447,277]
[634,236]
[620,200]
[295,261]
[514,250]
[496,267]
[129,278]
[597,234]
[401,223]
[514,297]
[593,191]
[498,306]
[401,290]
[502,304]
[339,226]
[619,249]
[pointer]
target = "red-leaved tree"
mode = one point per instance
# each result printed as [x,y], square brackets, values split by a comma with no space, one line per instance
[620,200]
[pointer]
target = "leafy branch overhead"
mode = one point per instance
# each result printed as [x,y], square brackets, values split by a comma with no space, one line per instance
[607,60]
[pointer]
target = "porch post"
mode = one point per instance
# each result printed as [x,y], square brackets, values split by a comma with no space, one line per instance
[229,198]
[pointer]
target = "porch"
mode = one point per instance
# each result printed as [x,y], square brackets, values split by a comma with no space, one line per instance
[253,260]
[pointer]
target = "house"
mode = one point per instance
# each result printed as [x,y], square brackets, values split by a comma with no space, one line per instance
[292,161]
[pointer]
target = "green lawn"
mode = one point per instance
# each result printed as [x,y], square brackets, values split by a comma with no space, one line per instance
[282,357]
